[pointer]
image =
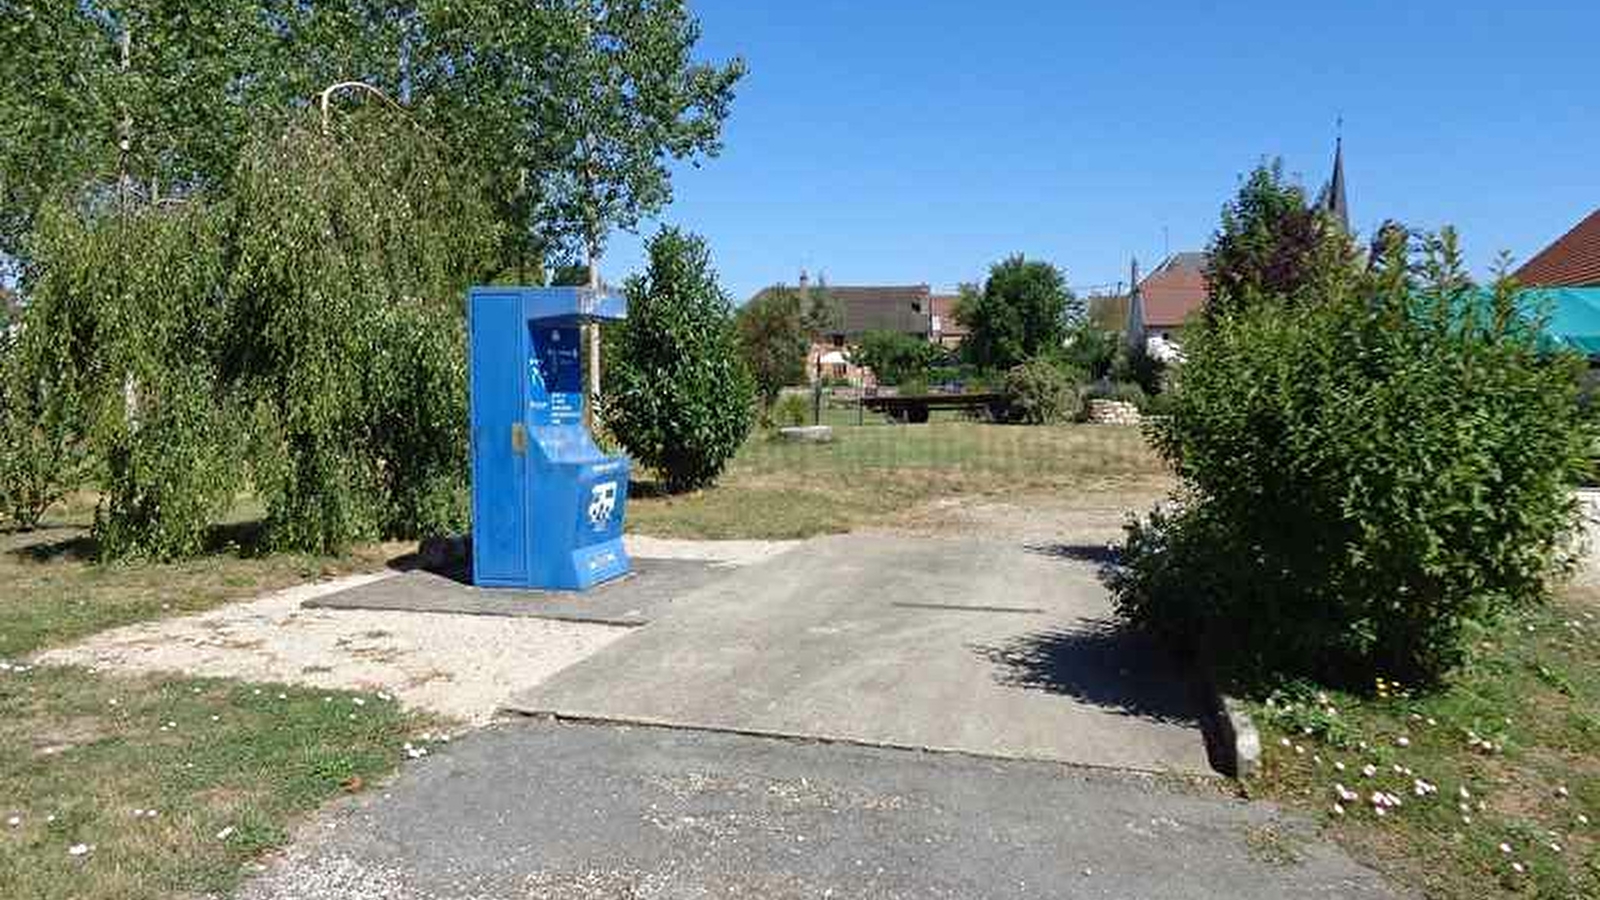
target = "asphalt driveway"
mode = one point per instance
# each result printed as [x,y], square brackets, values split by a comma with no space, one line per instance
[549,811]
[980,646]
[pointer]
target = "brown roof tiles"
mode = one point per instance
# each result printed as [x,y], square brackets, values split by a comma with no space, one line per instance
[1572,261]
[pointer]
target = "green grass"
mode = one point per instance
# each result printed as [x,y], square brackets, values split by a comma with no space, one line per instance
[80,751]
[875,473]
[1533,692]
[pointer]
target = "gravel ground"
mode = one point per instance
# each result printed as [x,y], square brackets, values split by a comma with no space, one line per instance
[458,665]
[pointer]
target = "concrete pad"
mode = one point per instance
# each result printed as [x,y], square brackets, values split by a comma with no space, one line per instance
[628,601]
[980,647]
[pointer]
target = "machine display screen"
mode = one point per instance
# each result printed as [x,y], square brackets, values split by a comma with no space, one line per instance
[556,374]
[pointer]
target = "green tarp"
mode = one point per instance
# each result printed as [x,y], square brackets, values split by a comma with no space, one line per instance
[1574,315]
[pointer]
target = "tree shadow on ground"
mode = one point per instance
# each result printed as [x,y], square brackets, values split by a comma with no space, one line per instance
[1100,663]
[77,543]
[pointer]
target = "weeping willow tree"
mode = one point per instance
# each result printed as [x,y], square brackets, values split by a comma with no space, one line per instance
[303,336]
[121,340]
[354,239]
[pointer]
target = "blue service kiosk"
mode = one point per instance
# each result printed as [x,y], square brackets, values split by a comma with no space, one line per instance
[547,505]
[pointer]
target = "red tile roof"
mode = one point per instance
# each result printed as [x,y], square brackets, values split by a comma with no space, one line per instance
[1174,291]
[1572,261]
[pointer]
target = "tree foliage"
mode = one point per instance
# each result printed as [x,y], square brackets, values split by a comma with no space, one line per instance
[1022,311]
[895,357]
[1041,392]
[1272,246]
[572,109]
[216,252]
[678,395]
[354,248]
[123,331]
[1366,476]
[773,341]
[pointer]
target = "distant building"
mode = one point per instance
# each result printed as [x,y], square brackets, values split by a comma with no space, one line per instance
[907,309]
[1166,299]
[1572,261]
[945,330]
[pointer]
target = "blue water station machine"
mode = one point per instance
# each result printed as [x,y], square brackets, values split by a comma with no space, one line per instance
[547,504]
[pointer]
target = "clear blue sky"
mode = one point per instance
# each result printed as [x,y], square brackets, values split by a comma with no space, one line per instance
[901,142]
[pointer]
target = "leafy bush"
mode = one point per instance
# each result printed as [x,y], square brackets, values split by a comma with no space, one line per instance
[1119,391]
[895,357]
[1092,350]
[677,393]
[1139,367]
[792,411]
[1040,392]
[1365,476]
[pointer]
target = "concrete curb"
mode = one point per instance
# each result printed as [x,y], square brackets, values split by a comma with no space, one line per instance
[1237,737]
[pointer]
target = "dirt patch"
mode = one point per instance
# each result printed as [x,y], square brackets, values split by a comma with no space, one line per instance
[461,666]
[1085,518]
[61,735]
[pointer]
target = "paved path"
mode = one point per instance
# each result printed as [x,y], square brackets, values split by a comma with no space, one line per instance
[987,647]
[546,811]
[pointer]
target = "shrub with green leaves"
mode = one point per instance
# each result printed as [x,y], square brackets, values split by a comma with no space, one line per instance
[1040,392]
[792,411]
[1365,477]
[677,393]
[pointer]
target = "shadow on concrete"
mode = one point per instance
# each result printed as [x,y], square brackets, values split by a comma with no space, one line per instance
[1102,555]
[1099,663]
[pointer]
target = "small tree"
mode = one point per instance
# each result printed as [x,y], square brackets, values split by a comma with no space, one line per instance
[772,340]
[821,313]
[1272,245]
[678,394]
[894,357]
[1022,311]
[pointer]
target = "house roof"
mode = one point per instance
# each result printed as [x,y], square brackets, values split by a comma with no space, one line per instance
[1175,291]
[863,308]
[944,307]
[1572,261]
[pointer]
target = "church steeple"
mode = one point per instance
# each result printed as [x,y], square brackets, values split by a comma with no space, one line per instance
[1332,199]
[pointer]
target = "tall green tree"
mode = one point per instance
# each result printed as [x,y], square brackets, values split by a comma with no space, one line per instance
[1272,245]
[773,341]
[573,109]
[678,395]
[1022,311]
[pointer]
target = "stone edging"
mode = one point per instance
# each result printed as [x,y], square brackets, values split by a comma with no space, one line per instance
[1236,744]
